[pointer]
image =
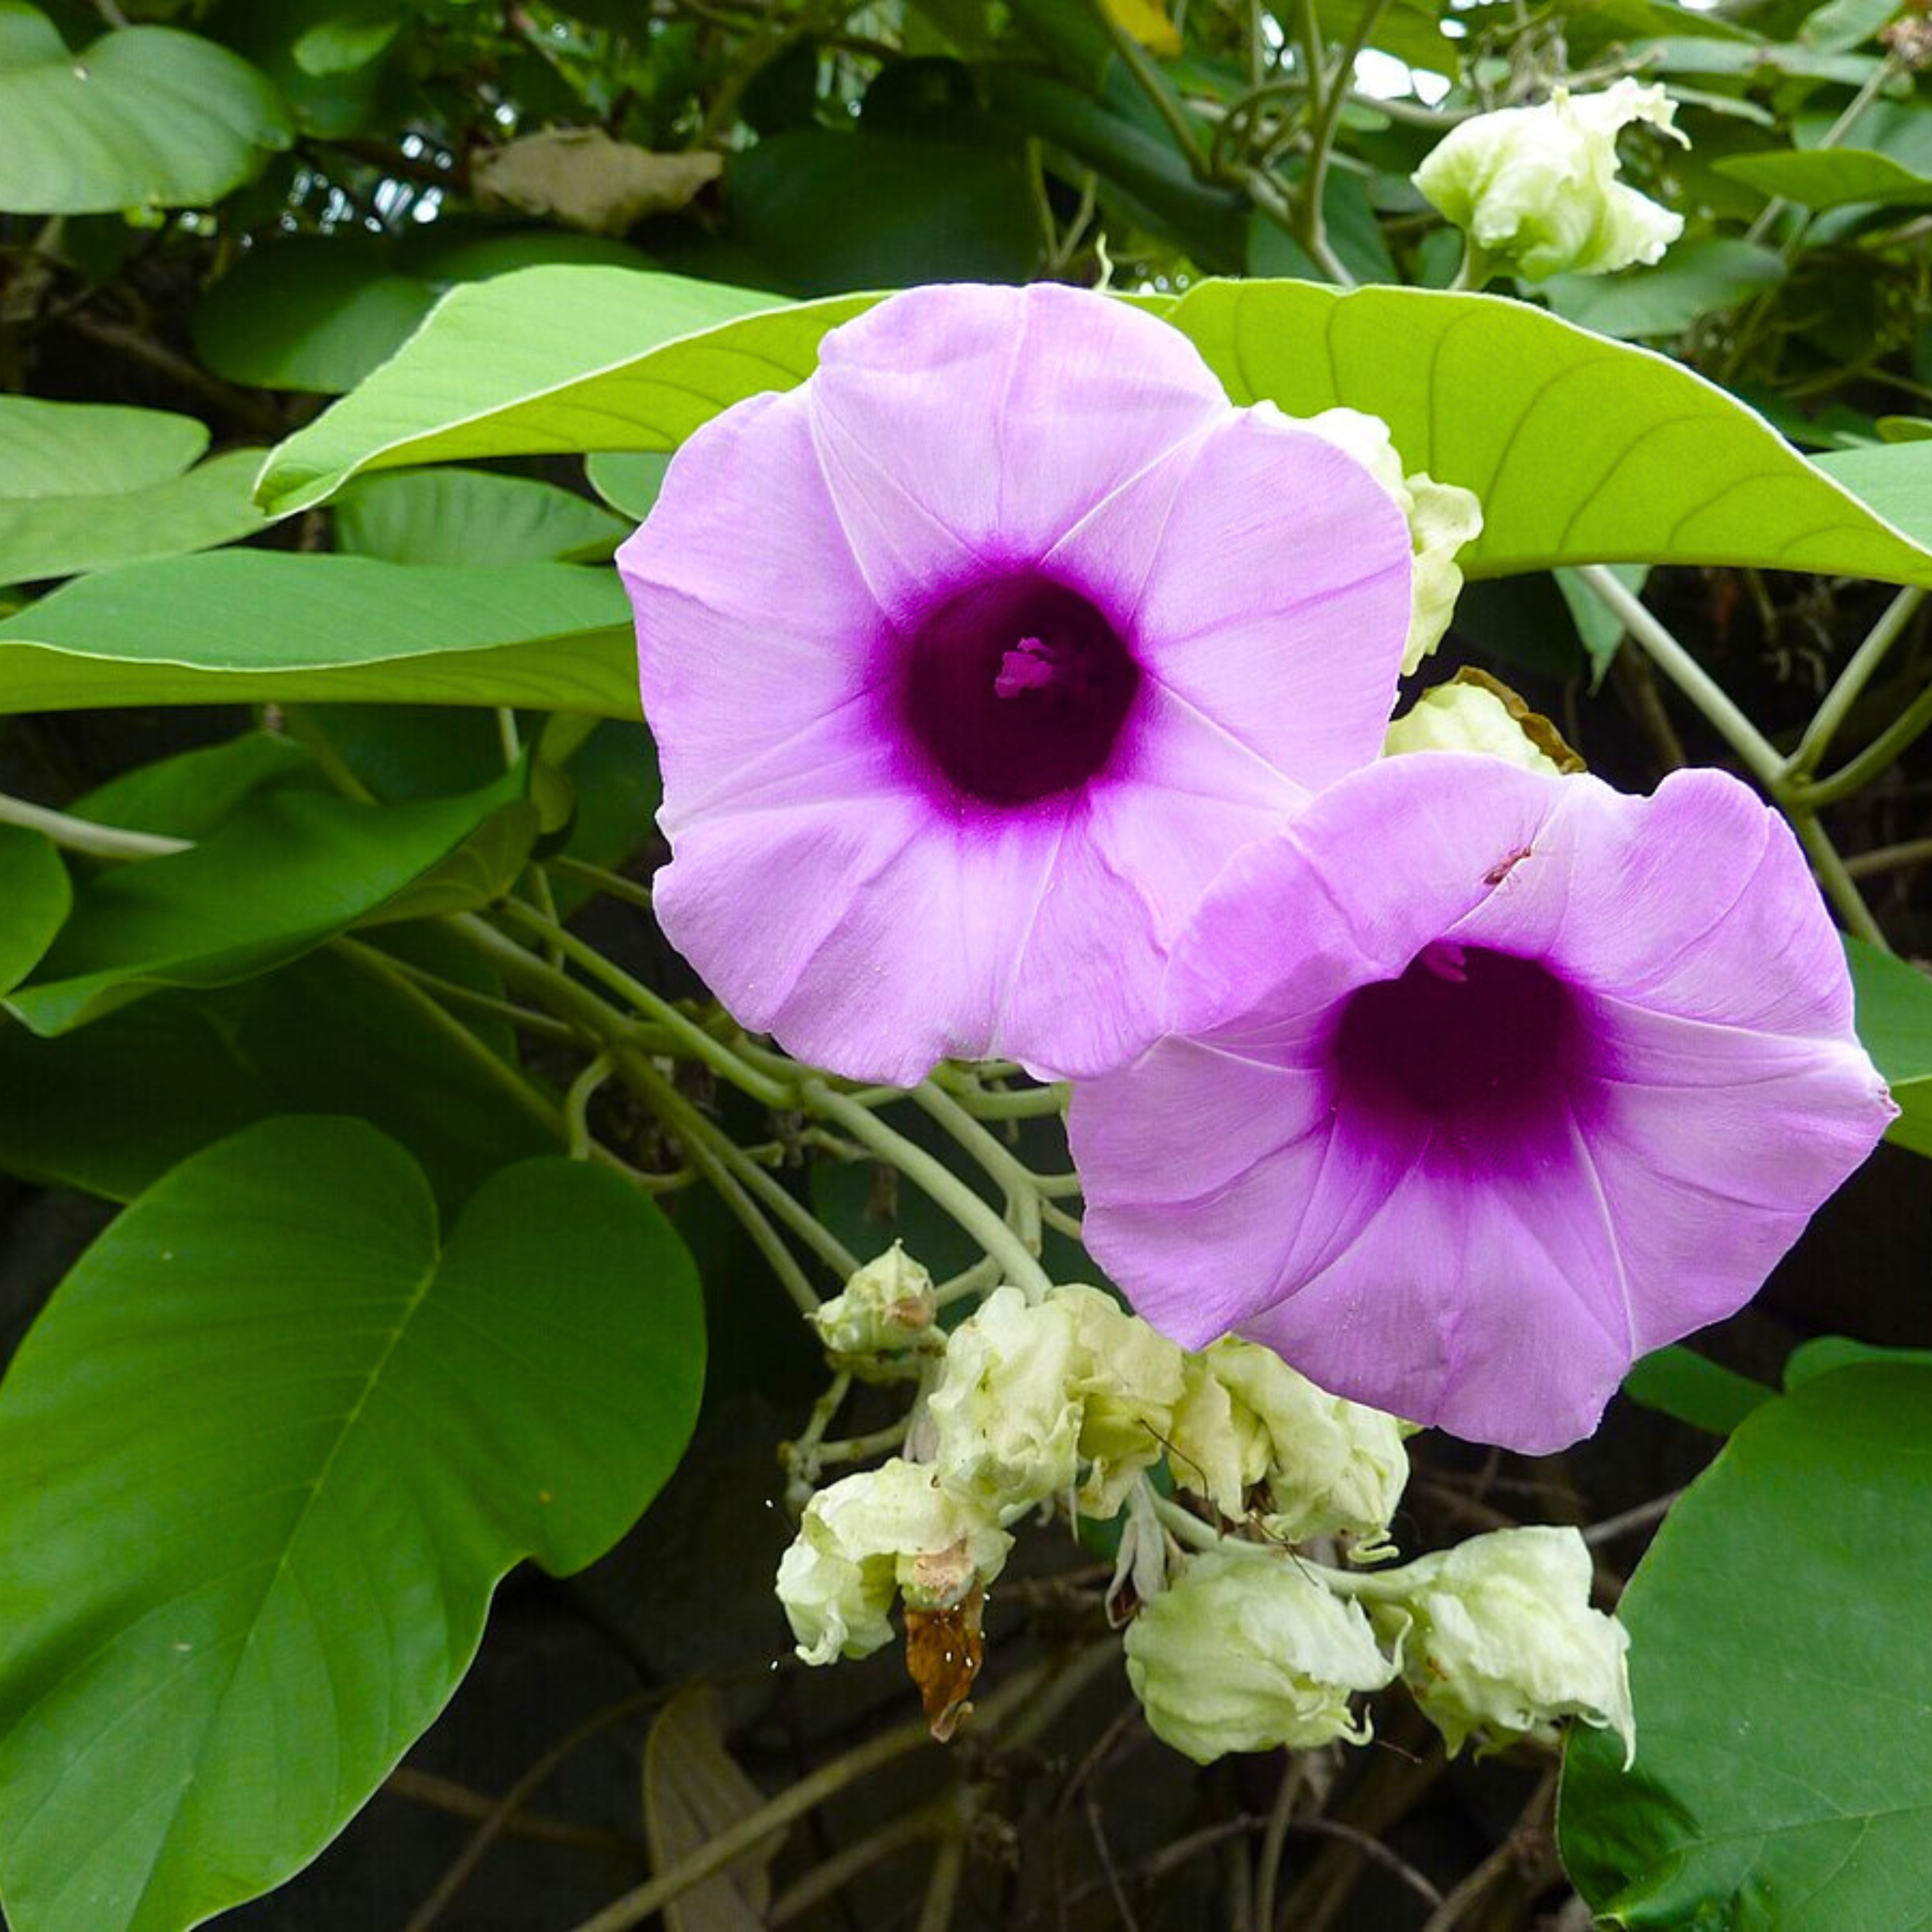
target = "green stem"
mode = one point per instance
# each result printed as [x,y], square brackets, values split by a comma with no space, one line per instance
[998,1241]
[1878,756]
[613,885]
[1688,674]
[689,1035]
[1890,858]
[82,835]
[454,993]
[577,1104]
[1831,715]
[1153,84]
[1328,114]
[997,1160]
[1836,878]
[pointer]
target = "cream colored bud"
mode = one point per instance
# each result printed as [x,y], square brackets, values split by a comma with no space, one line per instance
[865,1538]
[1005,1417]
[1441,517]
[1128,1379]
[1334,1466]
[887,1308]
[1467,716]
[1535,189]
[1218,1447]
[1245,1652]
[1501,1641]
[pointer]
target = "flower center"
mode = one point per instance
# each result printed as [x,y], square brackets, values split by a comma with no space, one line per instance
[1017,688]
[1482,1048]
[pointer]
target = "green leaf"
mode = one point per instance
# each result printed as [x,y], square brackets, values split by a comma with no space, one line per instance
[263,1459]
[85,487]
[285,874]
[1698,54]
[1830,177]
[239,626]
[90,449]
[146,117]
[1906,429]
[35,894]
[1697,279]
[907,210]
[472,517]
[345,42]
[187,796]
[1776,1625]
[1582,450]
[59,536]
[629,480]
[319,313]
[1894,1022]
[1678,1381]
[1599,629]
[1894,478]
[1845,23]
[1823,1353]
[551,360]
[1825,178]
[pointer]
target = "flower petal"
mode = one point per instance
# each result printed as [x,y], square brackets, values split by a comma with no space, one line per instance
[961,422]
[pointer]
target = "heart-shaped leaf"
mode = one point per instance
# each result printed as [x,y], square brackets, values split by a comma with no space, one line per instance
[146,117]
[1782,1777]
[262,1461]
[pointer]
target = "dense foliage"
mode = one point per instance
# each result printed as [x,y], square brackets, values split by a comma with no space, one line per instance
[435,1219]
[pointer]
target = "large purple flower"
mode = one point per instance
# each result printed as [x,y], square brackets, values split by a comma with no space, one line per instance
[1484,1084]
[973,659]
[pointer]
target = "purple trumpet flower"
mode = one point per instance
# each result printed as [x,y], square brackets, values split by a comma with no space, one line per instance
[973,659]
[1482,1084]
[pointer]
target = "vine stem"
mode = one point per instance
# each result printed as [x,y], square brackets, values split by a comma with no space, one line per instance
[1000,1164]
[82,835]
[811,1791]
[1831,715]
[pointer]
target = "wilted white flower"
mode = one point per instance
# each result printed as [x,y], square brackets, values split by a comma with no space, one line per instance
[1005,1419]
[864,1539]
[1500,1642]
[1245,1652]
[1535,189]
[1473,714]
[1330,1465]
[1128,1379]
[1442,518]
[887,1309]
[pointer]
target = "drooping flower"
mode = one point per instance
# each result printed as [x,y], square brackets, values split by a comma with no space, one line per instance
[1484,1083]
[971,661]
[1535,189]
[1499,1640]
[1244,1652]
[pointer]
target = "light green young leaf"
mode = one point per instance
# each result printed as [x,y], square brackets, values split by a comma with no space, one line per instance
[1824,178]
[288,871]
[1840,24]
[627,480]
[472,517]
[239,626]
[35,896]
[1895,478]
[90,449]
[1776,1625]
[553,359]
[146,117]
[263,1459]
[1581,450]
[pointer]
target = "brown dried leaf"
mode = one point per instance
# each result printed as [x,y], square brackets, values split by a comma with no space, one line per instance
[944,1651]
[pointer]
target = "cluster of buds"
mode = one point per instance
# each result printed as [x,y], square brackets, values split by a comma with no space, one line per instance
[1250,1646]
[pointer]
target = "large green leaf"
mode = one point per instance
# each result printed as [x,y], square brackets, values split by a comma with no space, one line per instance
[1776,1626]
[146,117]
[1699,278]
[1830,177]
[289,871]
[241,626]
[85,486]
[57,536]
[34,896]
[1582,450]
[263,1460]
[472,518]
[554,359]
[1678,1381]
[1895,1005]
[1894,478]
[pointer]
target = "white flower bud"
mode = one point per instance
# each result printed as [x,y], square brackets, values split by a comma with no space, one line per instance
[1128,1379]
[887,1309]
[1333,1465]
[1005,1419]
[1245,1652]
[1501,1641]
[866,1537]
[1473,714]
[1442,518]
[1536,188]
[1218,1448]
